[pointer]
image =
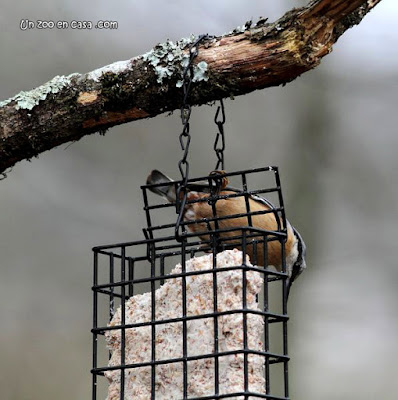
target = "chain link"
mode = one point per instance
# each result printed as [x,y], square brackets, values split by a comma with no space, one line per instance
[185,136]
[219,143]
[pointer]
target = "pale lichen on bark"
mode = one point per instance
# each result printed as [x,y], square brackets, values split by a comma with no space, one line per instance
[169,58]
[28,100]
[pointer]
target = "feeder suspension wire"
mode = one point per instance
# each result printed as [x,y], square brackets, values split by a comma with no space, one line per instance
[185,137]
[219,144]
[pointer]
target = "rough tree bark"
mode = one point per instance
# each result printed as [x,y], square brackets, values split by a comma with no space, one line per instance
[251,57]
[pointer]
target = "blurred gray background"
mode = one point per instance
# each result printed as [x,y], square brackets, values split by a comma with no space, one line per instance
[333,133]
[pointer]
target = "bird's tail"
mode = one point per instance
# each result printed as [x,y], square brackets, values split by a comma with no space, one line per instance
[167,190]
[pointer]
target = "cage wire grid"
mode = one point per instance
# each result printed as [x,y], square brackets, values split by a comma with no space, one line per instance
[123,270]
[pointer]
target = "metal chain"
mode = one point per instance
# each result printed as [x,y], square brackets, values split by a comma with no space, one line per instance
[185,137]
[219,144]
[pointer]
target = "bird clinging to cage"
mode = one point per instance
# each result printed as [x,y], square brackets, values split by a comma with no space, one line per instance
[255,212]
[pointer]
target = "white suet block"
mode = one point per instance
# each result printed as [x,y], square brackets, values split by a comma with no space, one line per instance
[200,334]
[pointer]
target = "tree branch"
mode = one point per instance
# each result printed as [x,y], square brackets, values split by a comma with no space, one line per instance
[249,58]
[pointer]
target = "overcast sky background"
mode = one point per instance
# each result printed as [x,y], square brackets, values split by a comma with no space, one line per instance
[332,132]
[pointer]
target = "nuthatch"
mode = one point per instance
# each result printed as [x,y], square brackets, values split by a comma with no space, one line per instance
[200,211]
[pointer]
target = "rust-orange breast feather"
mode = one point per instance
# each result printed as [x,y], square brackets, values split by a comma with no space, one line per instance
[235,206]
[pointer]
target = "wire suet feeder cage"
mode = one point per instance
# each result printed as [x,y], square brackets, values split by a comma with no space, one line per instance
[195,310]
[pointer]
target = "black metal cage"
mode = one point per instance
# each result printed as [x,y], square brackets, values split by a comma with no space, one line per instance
[213,327]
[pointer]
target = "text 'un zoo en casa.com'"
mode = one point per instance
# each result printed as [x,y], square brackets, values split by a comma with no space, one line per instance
[26,24]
